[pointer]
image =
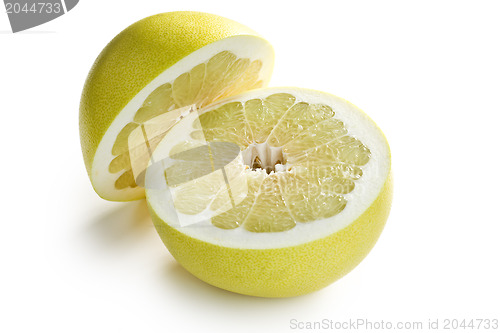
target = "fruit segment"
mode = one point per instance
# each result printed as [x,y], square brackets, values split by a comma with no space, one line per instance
[235,217]
[263,115]
[296,120]
[269,212]
[227,123]
[157,103]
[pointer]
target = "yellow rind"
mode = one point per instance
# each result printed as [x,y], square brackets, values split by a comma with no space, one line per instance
[134,58]
[281,272]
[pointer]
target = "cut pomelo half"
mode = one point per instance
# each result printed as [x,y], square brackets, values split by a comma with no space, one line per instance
[157,65]
[300,206]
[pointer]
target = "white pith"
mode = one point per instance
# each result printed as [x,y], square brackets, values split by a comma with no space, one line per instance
[244,46]
[366,190]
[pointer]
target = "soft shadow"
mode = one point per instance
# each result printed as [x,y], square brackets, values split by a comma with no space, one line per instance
[127,220]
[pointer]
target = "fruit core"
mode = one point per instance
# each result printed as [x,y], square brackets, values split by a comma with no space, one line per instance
[263,156]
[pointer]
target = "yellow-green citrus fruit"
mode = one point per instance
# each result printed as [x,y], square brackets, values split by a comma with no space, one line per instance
[300,206]
[158,64]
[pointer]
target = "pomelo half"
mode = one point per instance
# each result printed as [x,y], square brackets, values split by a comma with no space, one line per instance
[156,65]
[317,192]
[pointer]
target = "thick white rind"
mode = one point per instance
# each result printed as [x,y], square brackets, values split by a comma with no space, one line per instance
[367,188]
[243,46]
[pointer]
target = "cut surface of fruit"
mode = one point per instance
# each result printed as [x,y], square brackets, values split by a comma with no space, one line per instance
[310,161]
[157,65]
[315,196]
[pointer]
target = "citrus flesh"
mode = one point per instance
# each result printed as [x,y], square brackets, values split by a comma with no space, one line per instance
[314,174]
[157,65]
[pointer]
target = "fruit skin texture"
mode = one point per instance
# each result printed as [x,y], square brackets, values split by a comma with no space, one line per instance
[134,58]
[281,272]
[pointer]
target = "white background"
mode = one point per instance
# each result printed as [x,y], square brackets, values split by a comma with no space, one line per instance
[428,72]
